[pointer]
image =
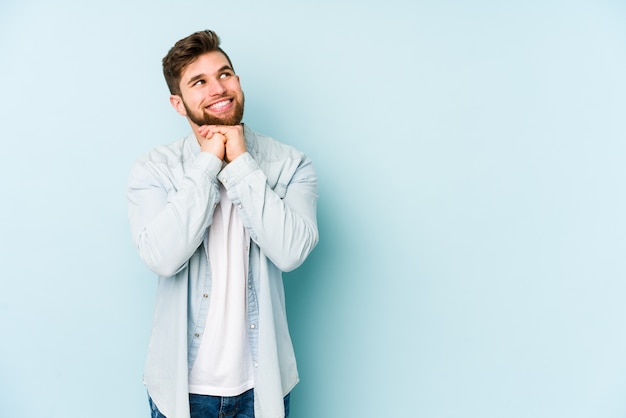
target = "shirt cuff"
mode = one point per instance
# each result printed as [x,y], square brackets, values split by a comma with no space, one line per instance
[237,170]
[207,163]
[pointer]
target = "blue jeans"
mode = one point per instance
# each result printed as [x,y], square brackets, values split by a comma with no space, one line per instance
[204,406]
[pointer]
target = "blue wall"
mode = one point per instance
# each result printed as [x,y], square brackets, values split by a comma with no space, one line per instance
[471,160]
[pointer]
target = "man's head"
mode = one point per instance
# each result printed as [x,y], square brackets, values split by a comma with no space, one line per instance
[202,81]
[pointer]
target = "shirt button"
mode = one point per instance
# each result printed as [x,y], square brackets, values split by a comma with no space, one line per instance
[196,335]
[239,206]
[256,364]
[252,326]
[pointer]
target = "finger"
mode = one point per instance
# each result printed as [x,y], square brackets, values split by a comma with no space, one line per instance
[208,130]
[217,136]
[222,129]
[204,131]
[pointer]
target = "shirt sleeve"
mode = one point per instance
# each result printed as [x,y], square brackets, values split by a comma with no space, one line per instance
[284,227]
[168,221]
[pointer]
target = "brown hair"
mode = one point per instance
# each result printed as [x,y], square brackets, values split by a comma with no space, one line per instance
[184,52]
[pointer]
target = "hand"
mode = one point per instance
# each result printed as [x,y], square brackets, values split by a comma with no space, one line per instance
[234,139]
[212,142]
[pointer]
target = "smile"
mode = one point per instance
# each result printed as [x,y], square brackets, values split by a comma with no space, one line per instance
[221,105]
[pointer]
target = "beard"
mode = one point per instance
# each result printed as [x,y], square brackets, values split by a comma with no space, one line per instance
[233,119]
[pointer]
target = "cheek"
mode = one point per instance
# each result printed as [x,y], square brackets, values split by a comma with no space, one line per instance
[234,85]
[193,101]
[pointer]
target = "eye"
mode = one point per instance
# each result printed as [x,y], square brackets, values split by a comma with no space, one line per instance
[226,74]
[199,82]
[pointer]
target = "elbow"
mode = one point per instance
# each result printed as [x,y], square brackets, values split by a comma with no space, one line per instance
[165,270]
[157,262]
[295,255]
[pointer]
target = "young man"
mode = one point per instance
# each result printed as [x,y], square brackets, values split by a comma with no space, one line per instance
[218,216]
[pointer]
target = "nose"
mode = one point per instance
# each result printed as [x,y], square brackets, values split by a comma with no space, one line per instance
[216,88]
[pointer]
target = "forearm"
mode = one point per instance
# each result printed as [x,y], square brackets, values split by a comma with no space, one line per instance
[167,226]
[284,227]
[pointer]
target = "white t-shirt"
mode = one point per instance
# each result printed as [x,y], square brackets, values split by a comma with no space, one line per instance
[224,366]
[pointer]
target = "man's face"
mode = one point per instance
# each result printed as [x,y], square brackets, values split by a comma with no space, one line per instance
[210,92]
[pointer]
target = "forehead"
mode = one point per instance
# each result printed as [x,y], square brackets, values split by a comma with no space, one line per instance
[208,63]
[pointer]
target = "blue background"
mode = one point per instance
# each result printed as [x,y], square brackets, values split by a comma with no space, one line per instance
[472,200]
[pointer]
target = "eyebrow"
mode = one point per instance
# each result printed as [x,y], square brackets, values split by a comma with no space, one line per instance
[200,76]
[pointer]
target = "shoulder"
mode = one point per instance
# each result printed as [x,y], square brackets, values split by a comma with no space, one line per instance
[164,163]
[269,149]
[173,153]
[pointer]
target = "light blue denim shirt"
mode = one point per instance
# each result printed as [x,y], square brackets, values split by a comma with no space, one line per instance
[172,193]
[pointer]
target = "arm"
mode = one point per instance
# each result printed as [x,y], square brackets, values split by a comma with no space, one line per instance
[167,230]
[285,229]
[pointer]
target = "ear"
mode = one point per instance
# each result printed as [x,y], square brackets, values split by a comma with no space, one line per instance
[177,103]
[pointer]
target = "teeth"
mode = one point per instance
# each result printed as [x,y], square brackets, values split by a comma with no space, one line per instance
[220,105]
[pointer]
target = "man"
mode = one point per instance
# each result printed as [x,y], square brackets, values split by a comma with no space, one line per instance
[218,216]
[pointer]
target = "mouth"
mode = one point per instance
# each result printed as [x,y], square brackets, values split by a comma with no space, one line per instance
[220,105]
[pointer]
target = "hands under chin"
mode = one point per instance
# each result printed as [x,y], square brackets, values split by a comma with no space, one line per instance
[226,142]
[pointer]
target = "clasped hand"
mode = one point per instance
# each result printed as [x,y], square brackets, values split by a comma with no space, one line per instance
[225,142]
